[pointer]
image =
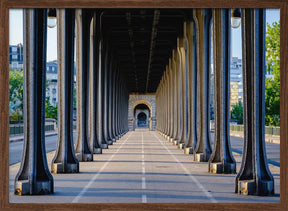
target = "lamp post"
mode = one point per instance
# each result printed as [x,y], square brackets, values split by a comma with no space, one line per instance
[235,18]
[52,18]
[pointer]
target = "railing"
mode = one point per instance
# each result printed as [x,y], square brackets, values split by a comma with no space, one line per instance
[17,129]
[269,130]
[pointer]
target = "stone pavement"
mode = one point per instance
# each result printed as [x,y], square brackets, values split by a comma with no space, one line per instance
[142,167]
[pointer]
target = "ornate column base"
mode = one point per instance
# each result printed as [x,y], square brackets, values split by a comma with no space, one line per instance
[114,139]
[181,145]
[171,140]
[175,142]
[200,157]
[248,187]
[22,187]
[104,146]
[84,157]
[110,142]
[97,150]
[58,168]
[188,150]
[218,168]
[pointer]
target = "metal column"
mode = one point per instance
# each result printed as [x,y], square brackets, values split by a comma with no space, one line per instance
[254,177]
[65,160]
[221,160]
[93,102]
[203,148]
[83,150]
[192,88]
[34,177]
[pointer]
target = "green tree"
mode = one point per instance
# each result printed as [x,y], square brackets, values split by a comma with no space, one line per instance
[16,90]
[272,85]
[50,110]
[74,97]
[237,113]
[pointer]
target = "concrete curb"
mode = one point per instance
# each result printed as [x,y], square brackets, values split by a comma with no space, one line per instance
[22,137]
[269,140]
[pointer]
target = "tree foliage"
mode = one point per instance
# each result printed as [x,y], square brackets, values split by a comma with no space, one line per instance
[272,85]
[16,95]
[16,89]
[50,110]
[237,113]
[16,98]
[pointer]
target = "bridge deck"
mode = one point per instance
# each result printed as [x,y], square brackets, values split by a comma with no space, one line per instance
[143,167]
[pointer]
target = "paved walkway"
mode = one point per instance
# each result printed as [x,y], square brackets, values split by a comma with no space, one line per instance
[142,167]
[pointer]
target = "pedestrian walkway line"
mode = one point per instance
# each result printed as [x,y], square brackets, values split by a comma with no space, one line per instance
[143,183]
[77,198]
[144,196]
[211,198]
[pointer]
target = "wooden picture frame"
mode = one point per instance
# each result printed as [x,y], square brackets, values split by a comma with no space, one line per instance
[5,5]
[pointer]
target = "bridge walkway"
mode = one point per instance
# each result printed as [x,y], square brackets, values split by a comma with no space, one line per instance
[142,167]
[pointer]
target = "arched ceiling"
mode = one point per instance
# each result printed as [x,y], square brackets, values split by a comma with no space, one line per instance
[143,40]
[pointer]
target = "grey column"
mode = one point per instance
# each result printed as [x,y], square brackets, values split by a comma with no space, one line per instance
[169,113]
[221,160]
[113,103]
[105,103]
[203,148]
[83,150]
[192,88]
[171,101]
[96,148]
[65,160]
[165,103]
[254,177]
[176,96]
[34,177]
[110,103]
[101,84]
[183,90]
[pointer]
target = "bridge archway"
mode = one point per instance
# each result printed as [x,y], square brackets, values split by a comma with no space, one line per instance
[142,114]
[142,103]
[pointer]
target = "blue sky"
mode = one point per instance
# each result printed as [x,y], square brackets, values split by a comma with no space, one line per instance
[16,33]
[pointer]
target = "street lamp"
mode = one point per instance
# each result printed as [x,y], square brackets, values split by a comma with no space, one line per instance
[52,18]
[235,18]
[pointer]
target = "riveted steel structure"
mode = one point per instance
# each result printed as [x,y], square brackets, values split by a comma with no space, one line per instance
[83,149]
[65,160]
[34,177]
[163,53]
[254,177]
[202,19]
[221,160]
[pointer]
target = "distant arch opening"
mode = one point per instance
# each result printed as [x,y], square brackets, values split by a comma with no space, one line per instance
[141,116]
[142,120]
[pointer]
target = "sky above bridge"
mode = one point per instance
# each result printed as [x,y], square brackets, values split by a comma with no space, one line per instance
[16,33]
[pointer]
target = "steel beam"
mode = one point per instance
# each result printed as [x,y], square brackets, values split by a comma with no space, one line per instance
[221,160]
[254,177]
[65,160]
[33,177]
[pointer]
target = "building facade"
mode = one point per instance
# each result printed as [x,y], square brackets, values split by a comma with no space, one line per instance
[51,77]
[16,57]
